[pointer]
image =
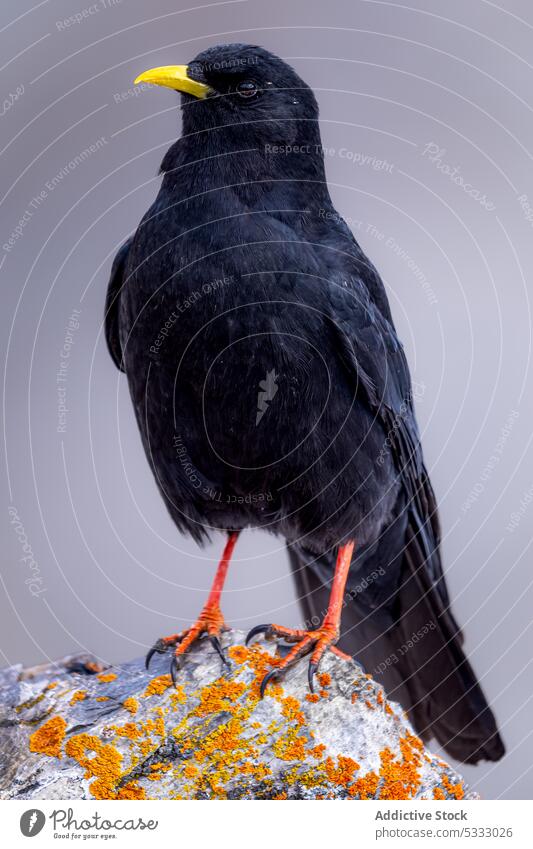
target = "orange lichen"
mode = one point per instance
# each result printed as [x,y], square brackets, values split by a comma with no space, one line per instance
[312,697]
[228,751]
[365,787]
[156,725]
[129,730]
[258,771]
[219,696]
[388,710]
[51,685]
[287,749]
[341,773]
[178,697]
[324,679]
[131,791]
[106,677]
[157,686]
[291,710]
[78,696]
[239,654]
[223,740]
[131,705]
[104,765]
[225,752]
[402,777]
[48,738]
[145,747]
[317,751]
[398,777]
[379,697]
[260,661]
[355,696]
[102,698]
[438,793]
[157,769]
[455,790]
[324,694]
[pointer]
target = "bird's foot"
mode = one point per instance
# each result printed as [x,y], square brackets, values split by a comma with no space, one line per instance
[315,642]
[210,622]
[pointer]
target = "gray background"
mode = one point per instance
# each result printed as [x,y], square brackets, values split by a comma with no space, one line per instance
[111,571]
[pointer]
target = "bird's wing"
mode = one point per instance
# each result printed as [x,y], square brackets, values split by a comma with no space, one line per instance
[112,304]
[371,351]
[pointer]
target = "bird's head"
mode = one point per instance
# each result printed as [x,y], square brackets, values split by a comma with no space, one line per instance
[249,93]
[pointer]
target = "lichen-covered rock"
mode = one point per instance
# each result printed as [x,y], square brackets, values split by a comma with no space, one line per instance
[73,730]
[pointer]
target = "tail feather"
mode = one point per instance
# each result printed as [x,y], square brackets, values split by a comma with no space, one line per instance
[437,671]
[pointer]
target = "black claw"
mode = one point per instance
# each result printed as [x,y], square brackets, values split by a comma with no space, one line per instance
[266,680]
[174,671]
[158,648]
[215,642]
[259,629]
[148,657]
[311,674]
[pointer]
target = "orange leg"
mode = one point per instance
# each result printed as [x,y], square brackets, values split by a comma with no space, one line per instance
[210,620]
[317,642]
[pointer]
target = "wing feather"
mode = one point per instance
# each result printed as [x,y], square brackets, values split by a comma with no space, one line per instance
[112,304]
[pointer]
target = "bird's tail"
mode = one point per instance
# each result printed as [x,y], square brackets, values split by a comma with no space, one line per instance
[413,647]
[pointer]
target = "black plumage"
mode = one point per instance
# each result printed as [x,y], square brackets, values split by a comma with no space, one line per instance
[270,387]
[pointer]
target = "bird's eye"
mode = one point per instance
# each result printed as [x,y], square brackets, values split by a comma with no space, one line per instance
[247,89]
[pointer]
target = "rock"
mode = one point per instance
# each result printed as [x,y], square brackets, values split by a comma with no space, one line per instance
[72,730]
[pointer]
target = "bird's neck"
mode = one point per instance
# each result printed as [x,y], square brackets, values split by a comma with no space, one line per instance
[257,172]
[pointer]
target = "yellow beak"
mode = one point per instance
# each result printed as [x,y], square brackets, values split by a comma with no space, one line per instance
[173,76]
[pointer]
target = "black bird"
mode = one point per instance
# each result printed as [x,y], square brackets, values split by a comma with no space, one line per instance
[271,390]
